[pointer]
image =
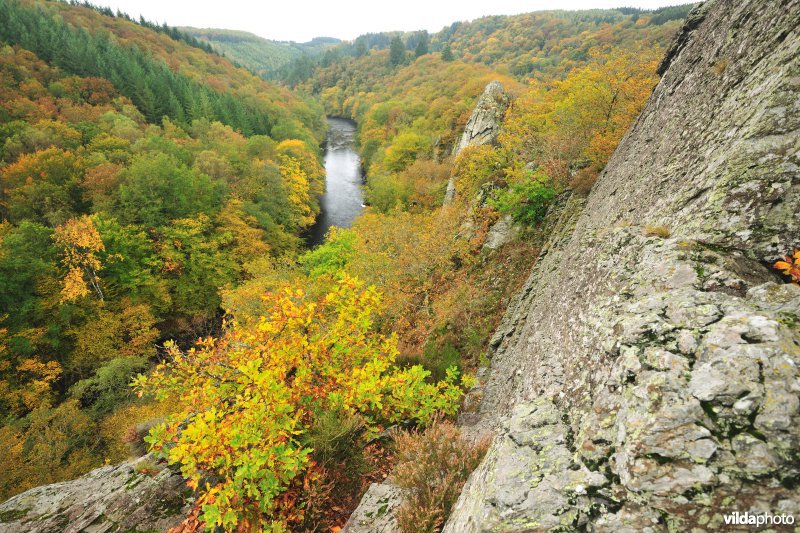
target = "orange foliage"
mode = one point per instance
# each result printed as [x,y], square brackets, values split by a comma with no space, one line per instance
[790,265]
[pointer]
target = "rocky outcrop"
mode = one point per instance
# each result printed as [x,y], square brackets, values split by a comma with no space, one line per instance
[646,377]
[483,125]
[501,232]
[133,496]
[375,512]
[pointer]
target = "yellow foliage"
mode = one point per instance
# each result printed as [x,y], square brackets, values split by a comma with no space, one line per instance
[80,242]
[245,400]
[118,426]
[29,387]
[578,122]
[298,188]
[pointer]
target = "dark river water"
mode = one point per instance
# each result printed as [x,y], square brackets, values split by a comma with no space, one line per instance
[343,198]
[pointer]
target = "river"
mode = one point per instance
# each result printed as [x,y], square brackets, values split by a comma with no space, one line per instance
[343,198]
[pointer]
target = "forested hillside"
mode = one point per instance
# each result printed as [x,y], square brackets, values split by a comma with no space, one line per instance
[147,185]
[441,292]
[411,105]
[550,43]
[261,56]
[140,176]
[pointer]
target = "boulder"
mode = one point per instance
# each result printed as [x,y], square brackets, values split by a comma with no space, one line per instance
[139,495]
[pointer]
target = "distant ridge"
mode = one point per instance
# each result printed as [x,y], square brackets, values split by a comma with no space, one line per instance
[262,56]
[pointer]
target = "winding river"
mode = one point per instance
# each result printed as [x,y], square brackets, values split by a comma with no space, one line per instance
[343,198]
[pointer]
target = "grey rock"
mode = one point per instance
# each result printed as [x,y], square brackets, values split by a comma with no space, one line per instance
[483,125]
[530,478]
[501,232]
[375,512]
[662,374]
[111,498]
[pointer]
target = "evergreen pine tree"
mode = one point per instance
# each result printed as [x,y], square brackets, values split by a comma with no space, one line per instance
[397,51]
[447,53]
[422,45]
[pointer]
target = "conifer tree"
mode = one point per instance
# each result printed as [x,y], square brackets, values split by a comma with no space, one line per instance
[397,51]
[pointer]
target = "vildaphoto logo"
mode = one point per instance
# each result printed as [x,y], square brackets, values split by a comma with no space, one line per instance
[762,519]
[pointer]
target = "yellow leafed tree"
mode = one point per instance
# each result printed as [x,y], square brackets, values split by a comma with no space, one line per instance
[80,242]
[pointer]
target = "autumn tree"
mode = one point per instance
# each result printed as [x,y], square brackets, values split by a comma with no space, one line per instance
[578,122]
[80,243]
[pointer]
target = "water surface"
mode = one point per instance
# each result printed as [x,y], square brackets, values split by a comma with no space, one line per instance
[343,198]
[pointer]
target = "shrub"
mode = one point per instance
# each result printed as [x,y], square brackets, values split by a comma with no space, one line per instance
[433,466]
[246,401]
[332,256]
[439,359]
[526,201]
[583,180]
[108,387]
[335,438]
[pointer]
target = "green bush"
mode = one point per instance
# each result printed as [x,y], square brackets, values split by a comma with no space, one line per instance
[526,201]
[108,387]
[332,256]
[438,359]
[336,440]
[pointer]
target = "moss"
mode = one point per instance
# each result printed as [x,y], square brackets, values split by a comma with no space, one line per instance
[13,515]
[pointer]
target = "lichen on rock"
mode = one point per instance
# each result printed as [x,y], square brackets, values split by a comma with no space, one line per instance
[661,372]
[111,498]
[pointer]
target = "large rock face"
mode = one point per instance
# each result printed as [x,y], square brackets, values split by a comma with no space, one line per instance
[483,125]
[647,375]
[112,498]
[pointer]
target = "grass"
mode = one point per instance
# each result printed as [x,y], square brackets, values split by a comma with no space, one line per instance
[657,231]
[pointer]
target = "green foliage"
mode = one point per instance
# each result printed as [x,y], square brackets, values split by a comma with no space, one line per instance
[527,201]
[397,52]
[193,256]
[336,438]
[422,46]
[108,388]
[331,257]
[247,400]
[156,189]
[385,193]
[439,360]
[405,149]
[261,56]
[447,52]
[27,257]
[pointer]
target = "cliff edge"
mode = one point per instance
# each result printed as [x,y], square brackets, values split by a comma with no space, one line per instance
[647,377]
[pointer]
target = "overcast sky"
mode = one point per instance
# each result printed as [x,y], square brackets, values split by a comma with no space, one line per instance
[300,20]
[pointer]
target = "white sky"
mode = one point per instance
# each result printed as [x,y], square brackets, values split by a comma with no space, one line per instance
[301,20]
